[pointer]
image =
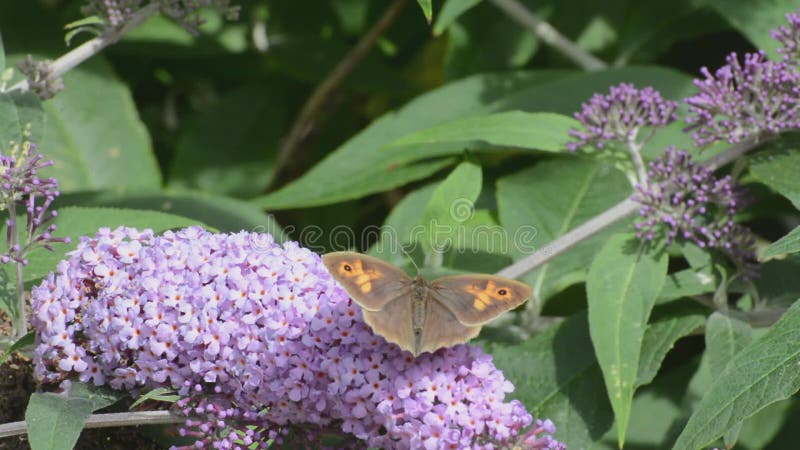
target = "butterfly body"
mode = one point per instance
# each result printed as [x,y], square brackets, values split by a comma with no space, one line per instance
[419,315]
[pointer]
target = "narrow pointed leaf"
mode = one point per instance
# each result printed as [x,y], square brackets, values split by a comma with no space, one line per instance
[622,287]
[785,245]
[427,9]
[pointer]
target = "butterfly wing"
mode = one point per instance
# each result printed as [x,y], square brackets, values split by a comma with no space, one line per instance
[393,322]
[442,328]
[477,299]
[371,282]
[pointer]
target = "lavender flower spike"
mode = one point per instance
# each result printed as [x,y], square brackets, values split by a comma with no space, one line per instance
[261,343]
[739,101]
[684,201]
[20,185]
[619,115]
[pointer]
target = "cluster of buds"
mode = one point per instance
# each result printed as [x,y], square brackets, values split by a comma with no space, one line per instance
[41,79]
[116,13]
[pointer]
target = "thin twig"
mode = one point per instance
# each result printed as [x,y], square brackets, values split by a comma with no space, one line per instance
[318,98]
[105,421]
[546,32]
[73,58]
[608,218]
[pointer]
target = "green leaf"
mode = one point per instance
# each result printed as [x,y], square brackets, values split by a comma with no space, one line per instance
[21,118]
[656,407]
[662,333]
[555,375]
[762,373]
[358,167]
[451,205]
[621,289]
[94,133]
[91,24]
[427,9]
[778,284]
[513,129]
[451,9]
[74,222]
[25,341]
[725,336]
[759,430]
[225,214]
[687,283]
[161,394]
[778,166]
[55,421]
[756,19]
[231,148]
[540,204]
[785,245]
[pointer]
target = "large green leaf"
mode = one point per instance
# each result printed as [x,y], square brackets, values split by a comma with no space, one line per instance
[778,166]
[687,283]
[75,222]
[359,168]
[230,149]
[539,204]
[225,214]
[785,245]
[21,118]
[672,323]
[621,289]
[54,421]
[556,376]
[725,336]
[93,132]
[762,373]
[451,205]
[512,129]
[756,19]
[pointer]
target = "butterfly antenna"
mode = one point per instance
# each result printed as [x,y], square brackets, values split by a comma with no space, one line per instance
[402,249]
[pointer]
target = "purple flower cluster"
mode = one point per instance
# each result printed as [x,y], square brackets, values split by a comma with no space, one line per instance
[789,36]
[684,200]
[262,344]
[619,115]
[743,100]
[21,184]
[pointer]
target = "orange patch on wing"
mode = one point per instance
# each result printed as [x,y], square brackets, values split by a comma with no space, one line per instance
[363,279]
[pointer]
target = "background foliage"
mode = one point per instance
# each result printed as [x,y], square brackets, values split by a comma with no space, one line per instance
[165,129]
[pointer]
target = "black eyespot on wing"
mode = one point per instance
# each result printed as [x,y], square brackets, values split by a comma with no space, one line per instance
[347,268]
[502,292]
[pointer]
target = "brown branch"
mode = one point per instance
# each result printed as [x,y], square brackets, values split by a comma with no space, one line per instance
[318,98]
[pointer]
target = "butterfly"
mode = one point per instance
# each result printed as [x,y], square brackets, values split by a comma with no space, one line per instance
[418,315]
